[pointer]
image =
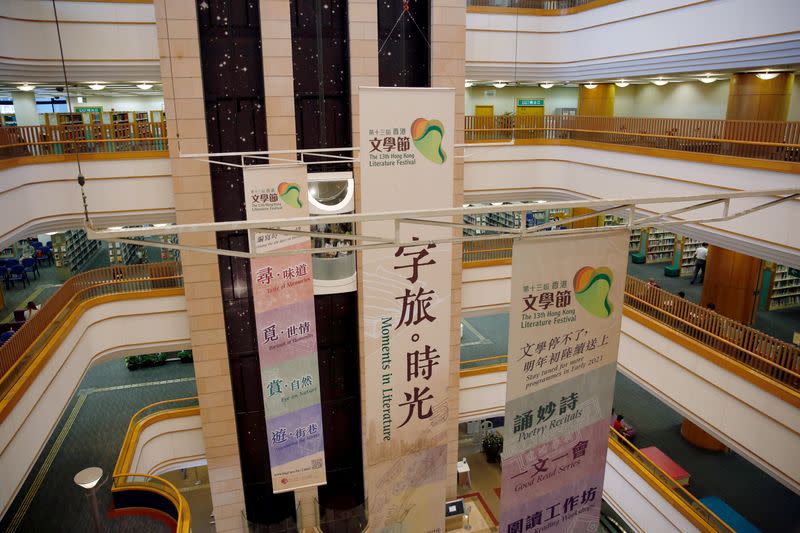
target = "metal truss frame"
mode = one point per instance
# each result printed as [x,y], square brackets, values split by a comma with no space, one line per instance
[364,240]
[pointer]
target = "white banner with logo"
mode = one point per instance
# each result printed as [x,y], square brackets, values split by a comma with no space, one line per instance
[406,140]
[565,315]
[283,297]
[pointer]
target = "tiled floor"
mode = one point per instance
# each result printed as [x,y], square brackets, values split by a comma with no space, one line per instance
[193,484]
[90,433]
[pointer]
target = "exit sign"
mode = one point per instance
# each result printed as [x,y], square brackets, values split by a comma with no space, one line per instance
[524,102]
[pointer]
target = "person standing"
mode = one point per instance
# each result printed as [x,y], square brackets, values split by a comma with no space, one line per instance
[700,256]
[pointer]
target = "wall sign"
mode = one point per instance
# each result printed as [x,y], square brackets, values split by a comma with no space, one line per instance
[406,162]
[526,102]
[283,296]
[566,312]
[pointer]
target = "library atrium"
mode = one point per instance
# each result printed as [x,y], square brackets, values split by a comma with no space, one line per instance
[291,265]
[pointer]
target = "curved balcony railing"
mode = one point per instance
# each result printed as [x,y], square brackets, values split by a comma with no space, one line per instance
[37,141]
[146,491]
[692,508]
[145,417]
[127,485]
[774,141]
[770,357]
[24,346]
[540,7]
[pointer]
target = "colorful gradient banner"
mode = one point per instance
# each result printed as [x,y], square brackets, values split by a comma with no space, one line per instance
[566,313]
[406,163]
[283,296]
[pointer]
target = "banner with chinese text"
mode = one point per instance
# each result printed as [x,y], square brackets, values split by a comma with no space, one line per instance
[406,162]
[565,317]
[283,296]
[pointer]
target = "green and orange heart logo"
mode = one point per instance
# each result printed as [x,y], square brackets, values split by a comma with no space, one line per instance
[591,290]
[290,194]
[427,136]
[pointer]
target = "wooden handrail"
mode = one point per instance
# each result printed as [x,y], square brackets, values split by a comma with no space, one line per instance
[541,8]
[79,288]
[27,141]
[671,490]
[124,479]
[767,355]
[159,485]
[772,140]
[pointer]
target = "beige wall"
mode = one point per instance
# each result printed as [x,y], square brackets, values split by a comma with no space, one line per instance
[505,99]
[679,100]
[674,100]
[121,103]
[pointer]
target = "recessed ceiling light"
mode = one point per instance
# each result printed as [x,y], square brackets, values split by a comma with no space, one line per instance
[26,87]
[622,83]
[468,84]
[767,75]
[97,86]
[144,86]
[708,79]
[546,85]
[500,84]
[541,201]
[590,85]
[660,82]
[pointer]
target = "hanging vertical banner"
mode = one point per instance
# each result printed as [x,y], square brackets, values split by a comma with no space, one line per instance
[566,313]
[283,296]
[406,159]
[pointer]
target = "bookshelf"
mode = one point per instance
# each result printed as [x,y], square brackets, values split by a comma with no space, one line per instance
[660,246]
[8,119]
[686,251]
[72,251]
[121,253]
[635,242]
[785,289]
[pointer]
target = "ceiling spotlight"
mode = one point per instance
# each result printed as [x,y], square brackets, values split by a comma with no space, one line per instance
[468,84]
[590,85]
[97,86]
[621,83]
[500,84]
[144,86]
[26,87]
[660,82]
[546,85]
[708,79]
[767,75]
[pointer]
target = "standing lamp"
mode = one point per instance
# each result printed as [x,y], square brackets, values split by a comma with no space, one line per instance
[88,478]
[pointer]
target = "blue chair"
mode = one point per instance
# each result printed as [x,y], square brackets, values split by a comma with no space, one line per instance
[36,245]
[4,273]
[12,262]
[18,274]
[49,244]
[44,254]
[29,264]
[5,336]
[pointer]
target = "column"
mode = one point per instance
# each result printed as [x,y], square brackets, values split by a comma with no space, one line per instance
[363,25]
[751,98]
[179,52]
[25,108]
[448,37]
[276,46]
[597,102]
[731,282]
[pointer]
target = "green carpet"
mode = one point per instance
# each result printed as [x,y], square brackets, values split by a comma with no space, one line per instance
[99,414]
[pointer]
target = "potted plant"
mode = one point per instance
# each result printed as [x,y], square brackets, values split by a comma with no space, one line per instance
[185,356]
[492,446]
